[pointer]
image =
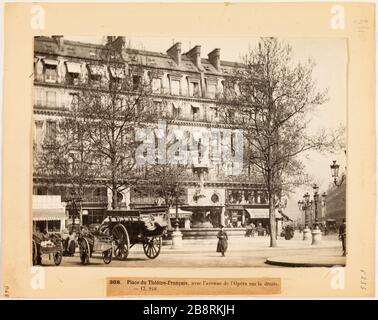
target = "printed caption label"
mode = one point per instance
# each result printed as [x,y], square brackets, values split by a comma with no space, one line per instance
[137,286]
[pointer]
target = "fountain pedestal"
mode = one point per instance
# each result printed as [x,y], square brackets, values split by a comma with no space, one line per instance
[199,218]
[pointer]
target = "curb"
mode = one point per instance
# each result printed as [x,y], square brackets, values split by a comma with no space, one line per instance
[278,261]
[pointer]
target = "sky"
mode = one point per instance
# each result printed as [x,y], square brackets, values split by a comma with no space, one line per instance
[330,72]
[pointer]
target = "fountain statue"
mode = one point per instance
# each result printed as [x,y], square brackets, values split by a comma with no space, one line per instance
[201,210]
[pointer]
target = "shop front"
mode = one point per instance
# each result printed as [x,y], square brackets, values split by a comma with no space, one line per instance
[260,218]
[48,214]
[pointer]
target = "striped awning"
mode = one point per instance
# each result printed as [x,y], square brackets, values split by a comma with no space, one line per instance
[181,213]
[260,213]
[49,214]
[73,67]
[50,62]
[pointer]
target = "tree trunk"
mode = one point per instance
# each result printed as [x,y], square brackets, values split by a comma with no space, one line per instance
[114,197]
[272,222]
[168,211]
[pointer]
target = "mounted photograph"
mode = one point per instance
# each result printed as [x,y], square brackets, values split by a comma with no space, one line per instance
[189,152]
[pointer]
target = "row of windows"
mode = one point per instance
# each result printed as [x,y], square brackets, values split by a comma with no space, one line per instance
[74,73]
[193,112]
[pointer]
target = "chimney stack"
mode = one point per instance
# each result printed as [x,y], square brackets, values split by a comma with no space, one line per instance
[118,43]
[58,40]
[195,55]
[175,52]
[214,58]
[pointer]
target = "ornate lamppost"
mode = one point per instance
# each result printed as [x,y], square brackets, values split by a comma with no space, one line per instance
[305,205]
[335,174]
[74,208]
[316,199]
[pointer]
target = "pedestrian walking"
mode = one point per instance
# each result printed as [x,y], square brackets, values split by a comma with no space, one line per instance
[222,241]
[342,235]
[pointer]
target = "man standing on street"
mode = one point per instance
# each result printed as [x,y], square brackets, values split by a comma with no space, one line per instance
[342,236]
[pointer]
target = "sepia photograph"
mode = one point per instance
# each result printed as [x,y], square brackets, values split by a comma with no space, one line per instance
[189,152]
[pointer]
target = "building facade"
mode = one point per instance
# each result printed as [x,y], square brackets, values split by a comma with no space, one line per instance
[185,88]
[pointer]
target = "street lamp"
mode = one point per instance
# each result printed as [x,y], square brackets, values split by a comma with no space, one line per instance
[305,205]
[324,196]
[335,173]
[316,199]
[74,208]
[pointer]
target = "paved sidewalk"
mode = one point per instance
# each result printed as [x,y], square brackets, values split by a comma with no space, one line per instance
[307,261]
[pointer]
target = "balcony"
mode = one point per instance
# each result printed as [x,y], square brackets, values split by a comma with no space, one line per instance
[57,107]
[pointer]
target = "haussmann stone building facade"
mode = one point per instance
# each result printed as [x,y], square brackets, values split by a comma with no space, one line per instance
[187,83]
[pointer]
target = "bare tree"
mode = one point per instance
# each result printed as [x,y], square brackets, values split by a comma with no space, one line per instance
[116,106]
[97,137]
[271,99]
[65,152]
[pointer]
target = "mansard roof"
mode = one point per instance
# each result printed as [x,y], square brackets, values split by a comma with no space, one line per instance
[76,50]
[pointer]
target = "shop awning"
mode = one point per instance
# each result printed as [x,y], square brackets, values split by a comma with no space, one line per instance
[50,62]
[96,70]
[181,213]
[73,67]
[118,73]
[260,213]
[285,216]
[49,214]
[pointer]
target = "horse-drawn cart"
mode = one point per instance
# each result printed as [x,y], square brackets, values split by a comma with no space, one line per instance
[121,230]
[89,243]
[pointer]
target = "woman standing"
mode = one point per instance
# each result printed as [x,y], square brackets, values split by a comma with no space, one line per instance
[222,241]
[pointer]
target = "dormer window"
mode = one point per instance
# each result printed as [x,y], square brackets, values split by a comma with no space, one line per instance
[51,73]
[116,75]
[73,70]
[95,74]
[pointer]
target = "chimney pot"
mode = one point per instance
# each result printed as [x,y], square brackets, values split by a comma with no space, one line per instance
[58,40]
[175,52]
[214,58]
[194,54]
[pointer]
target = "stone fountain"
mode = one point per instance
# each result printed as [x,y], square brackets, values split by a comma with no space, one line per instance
[201,209]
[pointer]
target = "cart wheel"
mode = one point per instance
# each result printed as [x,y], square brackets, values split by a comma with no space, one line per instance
[84,251]
[35,253]
[107,256]
[58,258]
[152,246]
[121,241]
